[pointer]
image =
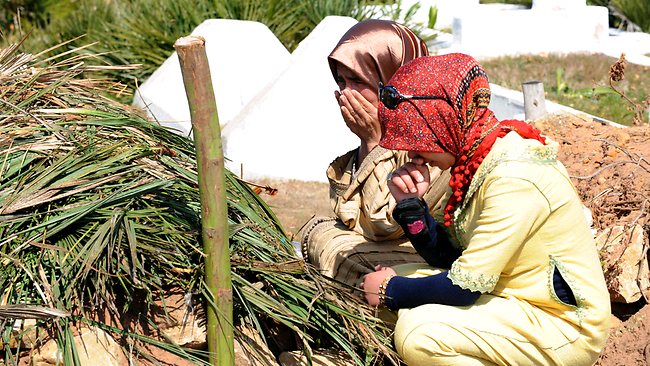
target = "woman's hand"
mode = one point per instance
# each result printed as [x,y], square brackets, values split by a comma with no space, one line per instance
[409,180]
[360,116]
[371,282]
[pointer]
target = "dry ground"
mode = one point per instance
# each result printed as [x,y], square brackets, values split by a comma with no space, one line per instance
[297,201]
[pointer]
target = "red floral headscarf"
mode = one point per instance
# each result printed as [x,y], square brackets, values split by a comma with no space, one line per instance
[459,122]
[374,49]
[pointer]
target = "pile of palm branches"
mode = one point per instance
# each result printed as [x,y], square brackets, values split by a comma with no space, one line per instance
[99,211]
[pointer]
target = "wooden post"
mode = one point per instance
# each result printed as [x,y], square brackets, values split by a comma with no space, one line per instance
[212,190]
[534,102]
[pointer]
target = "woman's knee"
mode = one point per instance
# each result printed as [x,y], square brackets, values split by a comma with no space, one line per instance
[418,341]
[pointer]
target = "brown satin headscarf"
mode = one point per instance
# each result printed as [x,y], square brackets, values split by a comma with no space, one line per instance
[374,49]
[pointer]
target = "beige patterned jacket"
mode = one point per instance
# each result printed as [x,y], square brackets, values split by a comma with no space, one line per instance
[362,200]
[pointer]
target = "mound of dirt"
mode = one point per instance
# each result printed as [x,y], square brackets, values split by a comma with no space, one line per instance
[610,167]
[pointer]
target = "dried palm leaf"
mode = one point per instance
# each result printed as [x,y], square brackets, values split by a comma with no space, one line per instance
[100,212]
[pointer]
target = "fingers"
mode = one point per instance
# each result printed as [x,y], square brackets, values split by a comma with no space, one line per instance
[409,180]
[344,102]
[406,177]
[371,282]
[378,268]
[362,111]
[416,172]
[357,102]
[349,118]
[345,108]
[359,115]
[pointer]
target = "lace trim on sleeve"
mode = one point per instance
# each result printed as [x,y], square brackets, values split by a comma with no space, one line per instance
[580,308]
[470,281]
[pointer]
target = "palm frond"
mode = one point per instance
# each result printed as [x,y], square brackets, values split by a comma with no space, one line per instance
[100,210]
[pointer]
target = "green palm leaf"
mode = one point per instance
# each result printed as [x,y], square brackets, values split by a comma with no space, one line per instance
[100,210]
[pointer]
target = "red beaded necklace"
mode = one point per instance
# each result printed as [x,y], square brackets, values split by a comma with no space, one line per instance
[473,155]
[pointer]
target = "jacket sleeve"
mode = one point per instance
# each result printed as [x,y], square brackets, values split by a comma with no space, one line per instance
[360,197]
[426,235]
[362,200]
[404,292]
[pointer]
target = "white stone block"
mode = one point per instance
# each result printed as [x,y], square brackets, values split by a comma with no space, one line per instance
[294,129]
[515,32]
[244,57]
[635,46]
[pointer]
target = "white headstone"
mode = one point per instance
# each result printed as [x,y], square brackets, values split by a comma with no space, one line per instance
[294,129]
[516,32]
[244,58]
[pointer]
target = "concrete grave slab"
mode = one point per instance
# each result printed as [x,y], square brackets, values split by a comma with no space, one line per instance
[293,129]
[551,28]
[244,57]
[635,46]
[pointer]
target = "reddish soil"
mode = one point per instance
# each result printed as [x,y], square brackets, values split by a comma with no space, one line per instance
[610,167]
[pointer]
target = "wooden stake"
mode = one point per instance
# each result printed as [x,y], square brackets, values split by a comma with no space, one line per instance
[212,190]
[534,101]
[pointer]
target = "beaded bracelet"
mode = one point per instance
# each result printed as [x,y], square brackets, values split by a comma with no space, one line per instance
[382,290]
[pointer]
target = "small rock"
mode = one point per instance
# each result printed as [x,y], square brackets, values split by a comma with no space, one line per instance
[621,137]
[94,347]
[612,152]
[624,254]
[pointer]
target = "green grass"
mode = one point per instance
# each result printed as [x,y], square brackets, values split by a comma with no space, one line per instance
[634,11]
[580,81]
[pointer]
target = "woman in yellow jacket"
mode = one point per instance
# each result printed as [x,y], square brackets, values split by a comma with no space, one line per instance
[525,285]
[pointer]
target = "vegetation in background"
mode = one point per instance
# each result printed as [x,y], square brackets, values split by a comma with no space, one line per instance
[580,81]
[631,15]
[143,32]
[101,218]
[28,11]
[635,14]
[398,13]
[616,76]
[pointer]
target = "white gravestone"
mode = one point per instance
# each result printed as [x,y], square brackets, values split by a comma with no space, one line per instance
[294,129]
[244,57]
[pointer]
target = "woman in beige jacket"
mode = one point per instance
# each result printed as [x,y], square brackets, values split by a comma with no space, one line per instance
[363,232]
